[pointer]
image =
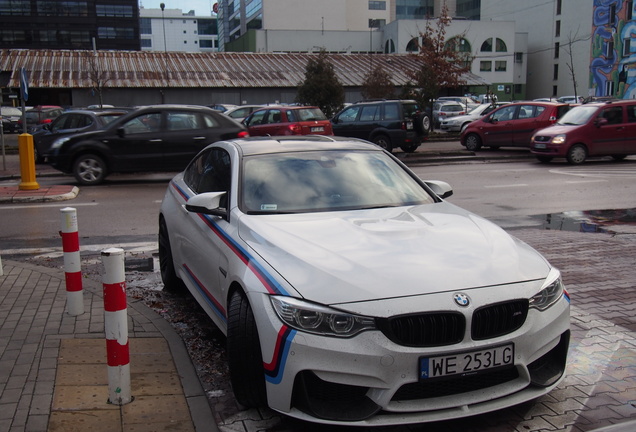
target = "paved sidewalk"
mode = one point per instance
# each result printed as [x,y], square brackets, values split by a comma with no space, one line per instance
[53,372]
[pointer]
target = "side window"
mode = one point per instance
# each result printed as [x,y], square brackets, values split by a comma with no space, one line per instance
[291,116]
[59,123]
[209,121]
[631,113]
[614,115]
[368,113]
[529,111]
[145,123]
[182,121]
[257,118]
[350,114]
[505,113]
[274,116]
[193,173]
[391,112]
[217,174]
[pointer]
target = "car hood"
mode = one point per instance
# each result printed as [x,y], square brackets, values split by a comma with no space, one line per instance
[353,256]
[556,129]
[463,117]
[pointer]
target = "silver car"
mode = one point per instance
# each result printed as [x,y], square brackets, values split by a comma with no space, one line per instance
[458,123]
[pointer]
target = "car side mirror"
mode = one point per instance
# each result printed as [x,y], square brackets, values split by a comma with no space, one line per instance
[601,121]
[440,188]
[207,203]
[121,132]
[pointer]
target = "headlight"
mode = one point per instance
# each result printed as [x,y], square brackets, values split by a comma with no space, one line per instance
[59,142]
[550,293]
[317,319]
[559,139]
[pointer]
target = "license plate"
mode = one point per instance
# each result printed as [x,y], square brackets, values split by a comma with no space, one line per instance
[467,363]
[318,129]
[539,146]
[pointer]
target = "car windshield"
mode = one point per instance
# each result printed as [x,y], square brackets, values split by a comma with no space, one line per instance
[326,181]
[578,115]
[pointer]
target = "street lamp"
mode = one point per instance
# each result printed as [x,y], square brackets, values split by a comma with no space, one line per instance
[165,53]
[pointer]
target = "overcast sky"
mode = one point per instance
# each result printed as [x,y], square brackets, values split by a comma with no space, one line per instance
[201,7]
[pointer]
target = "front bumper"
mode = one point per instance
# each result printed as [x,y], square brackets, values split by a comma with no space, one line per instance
[370,380]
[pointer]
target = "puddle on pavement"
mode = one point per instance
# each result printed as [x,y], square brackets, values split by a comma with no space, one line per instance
[594,221]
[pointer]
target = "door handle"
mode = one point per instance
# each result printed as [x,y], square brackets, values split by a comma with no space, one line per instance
[156,140]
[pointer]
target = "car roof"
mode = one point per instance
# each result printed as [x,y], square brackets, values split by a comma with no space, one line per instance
[301,143]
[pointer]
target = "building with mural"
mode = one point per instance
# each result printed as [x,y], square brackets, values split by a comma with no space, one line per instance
[613,62]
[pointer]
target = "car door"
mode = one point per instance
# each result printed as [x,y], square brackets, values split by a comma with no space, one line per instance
[186,133]
[136,143]
[629,146]
[497,128]
[528,119]
[609,137]
[201,238]
[346,123]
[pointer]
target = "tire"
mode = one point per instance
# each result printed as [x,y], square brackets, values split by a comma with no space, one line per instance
[89,169]
[171,282]
[473,142]
[544,159]
[619,157]
[384,142]
[426,123]
[244,354]
[409,148]
[576,154]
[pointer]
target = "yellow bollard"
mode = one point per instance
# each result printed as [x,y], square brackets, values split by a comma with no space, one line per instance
[27,162]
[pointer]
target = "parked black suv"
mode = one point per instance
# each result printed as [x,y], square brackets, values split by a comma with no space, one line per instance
[151,138]
[388,123]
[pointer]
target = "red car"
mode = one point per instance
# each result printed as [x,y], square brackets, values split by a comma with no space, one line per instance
[288,120]
[511,125]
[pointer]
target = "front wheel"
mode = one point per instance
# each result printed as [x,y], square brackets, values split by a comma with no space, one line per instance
[89,169]
[171,282]
[544,159]
[473,142]
[244,353]
[577,154]
[384,142]
[409,148]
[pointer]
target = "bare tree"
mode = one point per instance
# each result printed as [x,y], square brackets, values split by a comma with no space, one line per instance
[98,76]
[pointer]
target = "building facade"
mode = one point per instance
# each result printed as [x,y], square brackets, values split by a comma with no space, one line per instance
[174,30]
[86,24]
[613,57]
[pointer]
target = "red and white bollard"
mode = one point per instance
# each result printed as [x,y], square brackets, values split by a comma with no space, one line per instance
[72,264]
[116,326]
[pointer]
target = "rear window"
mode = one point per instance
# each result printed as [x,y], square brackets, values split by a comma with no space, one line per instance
[410,109]
[310,114]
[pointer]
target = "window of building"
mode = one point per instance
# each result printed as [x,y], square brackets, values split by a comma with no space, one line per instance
[500,46]
[609,50]
[205,43]
[389,47]
[500,65]
[629,5]
[120,11]
[558,8]
[458,44]
[414,9]
[627,46]
[554,90]
[115,33]
[611,18]
[413,45]
[487,45]
[15,7]
[556,50]
[469,9]
[517,88]
[609,88]
[555,72]
[376,23]
[557,29]
[377,5]
[62,8]
[145,26]
[518,57]
[485,66]
[146,43]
